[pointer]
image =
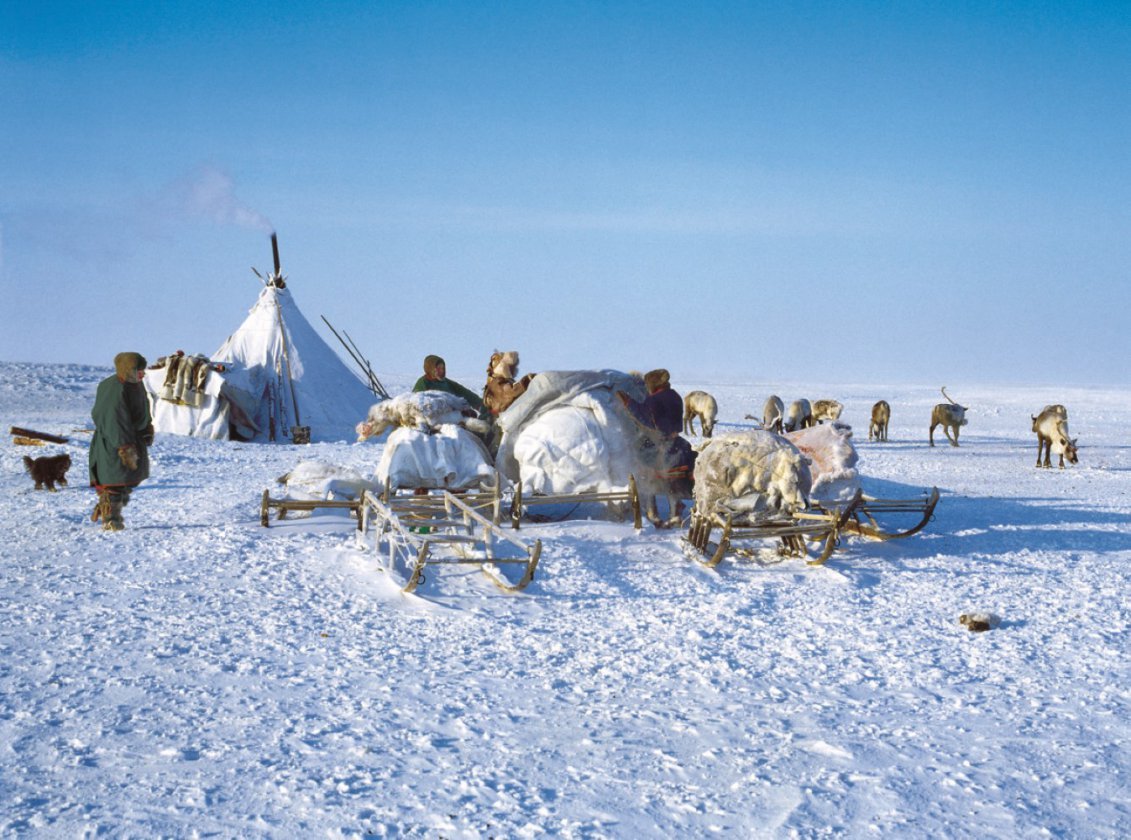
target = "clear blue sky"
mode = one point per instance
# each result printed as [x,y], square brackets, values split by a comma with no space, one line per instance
[933,192]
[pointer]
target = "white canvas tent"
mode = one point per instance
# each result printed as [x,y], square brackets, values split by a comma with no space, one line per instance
[277,373]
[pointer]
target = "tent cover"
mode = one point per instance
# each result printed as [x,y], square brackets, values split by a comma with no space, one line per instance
[272,374]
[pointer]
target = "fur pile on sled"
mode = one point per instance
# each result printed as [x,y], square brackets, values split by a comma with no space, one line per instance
[751,472]
[322,480]
[425,411]
[832,460]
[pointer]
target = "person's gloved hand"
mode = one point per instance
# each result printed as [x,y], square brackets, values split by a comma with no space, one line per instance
[128,453]
[147,435]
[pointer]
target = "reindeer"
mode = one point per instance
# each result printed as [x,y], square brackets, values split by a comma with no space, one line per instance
[773,413]
[881,416]
[702,405]
[949,415]
[800,416]
[826,410]
[1051,427]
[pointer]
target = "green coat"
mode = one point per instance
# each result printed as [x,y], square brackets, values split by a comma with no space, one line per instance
[121,416]
[449,387]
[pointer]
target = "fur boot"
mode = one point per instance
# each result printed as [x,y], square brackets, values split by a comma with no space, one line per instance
[112,519]
[101,507]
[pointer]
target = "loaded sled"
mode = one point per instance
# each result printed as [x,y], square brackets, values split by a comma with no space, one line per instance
[814,533]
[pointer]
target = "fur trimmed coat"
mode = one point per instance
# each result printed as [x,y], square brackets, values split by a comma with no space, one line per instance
[121,418]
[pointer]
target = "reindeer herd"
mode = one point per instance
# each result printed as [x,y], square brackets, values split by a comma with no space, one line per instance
[1050,425]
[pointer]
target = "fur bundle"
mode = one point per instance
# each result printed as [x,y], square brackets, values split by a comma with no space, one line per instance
[751,472]
[424,411]
[48,470]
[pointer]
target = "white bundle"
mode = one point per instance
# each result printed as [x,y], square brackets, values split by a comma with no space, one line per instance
[832,460]
[424,411]
[321,480]
[751,472]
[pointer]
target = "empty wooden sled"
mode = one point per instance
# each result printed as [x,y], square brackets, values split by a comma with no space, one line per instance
[821,527]
[412,532]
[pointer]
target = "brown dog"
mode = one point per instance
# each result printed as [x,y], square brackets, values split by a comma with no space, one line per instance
[501,389]
[49,470]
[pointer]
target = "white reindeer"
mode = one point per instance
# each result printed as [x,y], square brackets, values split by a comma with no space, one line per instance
[702,405]
[1051,427]
[799,416]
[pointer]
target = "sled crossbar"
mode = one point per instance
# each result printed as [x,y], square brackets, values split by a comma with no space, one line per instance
[267,504]
[444,531]
[629,495]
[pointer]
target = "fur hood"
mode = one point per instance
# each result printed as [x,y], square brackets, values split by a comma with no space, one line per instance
[126,365]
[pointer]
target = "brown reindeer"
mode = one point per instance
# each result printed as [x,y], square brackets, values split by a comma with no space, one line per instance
[951,416]
[881,416]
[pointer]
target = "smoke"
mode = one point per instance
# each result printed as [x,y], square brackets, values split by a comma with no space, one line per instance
[210,193]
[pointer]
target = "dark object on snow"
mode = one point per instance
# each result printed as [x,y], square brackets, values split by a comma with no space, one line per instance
[34,435]
[48,470]
[979,622]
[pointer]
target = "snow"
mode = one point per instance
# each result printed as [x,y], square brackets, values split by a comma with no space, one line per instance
[198,674]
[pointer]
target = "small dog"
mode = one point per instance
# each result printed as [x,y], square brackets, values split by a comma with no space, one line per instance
[49,470]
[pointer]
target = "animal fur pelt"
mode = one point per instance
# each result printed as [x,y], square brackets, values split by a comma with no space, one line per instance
[751,472]
[501,389]
[832,460]
[321,480]
[425,411]
[48,470]
[184,378]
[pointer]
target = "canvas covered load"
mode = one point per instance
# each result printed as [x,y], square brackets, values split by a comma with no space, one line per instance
[568,433]
[429,445]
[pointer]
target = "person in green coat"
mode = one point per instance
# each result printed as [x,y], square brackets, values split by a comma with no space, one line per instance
[435,378]
[123,432]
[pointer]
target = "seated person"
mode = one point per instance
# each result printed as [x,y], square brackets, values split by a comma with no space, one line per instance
[435,378]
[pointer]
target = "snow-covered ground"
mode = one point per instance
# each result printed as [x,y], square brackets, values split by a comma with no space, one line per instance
[198,674]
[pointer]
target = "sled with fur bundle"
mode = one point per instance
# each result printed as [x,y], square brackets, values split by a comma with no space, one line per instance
[412,532]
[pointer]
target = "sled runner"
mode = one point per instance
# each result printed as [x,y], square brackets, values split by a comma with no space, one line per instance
[865,522]
[417,531]
[820,526]
[629,496]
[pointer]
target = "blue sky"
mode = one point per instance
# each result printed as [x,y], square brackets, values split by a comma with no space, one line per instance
[934,192]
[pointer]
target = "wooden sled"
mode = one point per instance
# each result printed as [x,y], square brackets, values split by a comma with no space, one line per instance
[413,532]
[630,496]
[267,504]
[822,527]
[866,518]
